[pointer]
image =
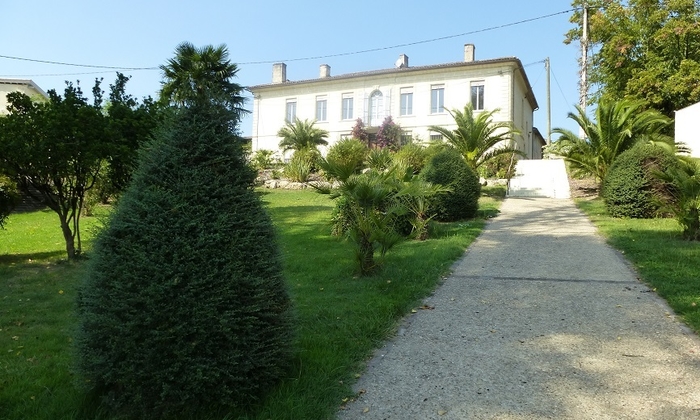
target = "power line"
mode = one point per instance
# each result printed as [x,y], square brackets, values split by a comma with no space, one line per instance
[492,28]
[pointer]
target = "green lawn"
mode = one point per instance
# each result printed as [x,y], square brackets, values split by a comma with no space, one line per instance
[664,261]
[341,318]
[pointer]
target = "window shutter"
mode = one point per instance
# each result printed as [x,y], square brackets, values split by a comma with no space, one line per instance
[365,112]
[387,103]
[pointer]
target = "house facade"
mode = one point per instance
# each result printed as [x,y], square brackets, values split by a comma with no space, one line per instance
[25,86]
[687,127]
[415,98]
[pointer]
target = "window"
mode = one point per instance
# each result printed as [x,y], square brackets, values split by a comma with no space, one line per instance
[406,101]
[291,114]
[437,99]
[477,96]
[435,137]
[406,138]
[376,109]
[321,108]
[347,106]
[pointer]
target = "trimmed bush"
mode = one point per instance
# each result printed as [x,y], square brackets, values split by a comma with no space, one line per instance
[184,307]
[448,168]
[630,188]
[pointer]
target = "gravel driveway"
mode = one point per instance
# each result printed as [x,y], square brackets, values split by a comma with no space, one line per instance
[539,320]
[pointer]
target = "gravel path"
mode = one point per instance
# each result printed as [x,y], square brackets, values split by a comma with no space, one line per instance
[539,320]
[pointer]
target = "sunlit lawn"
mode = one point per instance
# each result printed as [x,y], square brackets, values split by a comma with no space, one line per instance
[341,318]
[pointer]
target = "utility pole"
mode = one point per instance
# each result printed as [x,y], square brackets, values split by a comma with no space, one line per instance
[549,104]
[584,59]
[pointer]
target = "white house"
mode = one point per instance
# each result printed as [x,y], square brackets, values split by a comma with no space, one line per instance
[415,98]
[27,87]
[688,128]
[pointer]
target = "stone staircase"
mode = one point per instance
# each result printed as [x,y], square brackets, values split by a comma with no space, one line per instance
[540,178]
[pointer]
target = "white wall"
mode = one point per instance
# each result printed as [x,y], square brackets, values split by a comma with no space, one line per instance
[688,128]
[23,86]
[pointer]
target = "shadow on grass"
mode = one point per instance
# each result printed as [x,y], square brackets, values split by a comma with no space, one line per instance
[13,259]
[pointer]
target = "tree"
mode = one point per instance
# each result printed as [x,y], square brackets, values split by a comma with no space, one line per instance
[643,49]
[201,74]
[618,126]
[54,152]
[184,307]
[301,136]
[478,138]
[130,124]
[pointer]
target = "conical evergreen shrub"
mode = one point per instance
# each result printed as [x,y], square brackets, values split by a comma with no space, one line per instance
[184,305]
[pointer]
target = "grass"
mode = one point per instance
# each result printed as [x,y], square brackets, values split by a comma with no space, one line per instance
[341,318]
[664,261]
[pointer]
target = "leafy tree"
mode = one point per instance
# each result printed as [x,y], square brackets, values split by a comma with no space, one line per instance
[684,203]
[57,151]
[618,126]
[131,124]
[478,138]
[644,49]
[184,306]
[54,152]
[201,74]
[301,136]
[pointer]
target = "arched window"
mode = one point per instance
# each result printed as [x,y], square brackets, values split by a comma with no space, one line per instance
[376,109]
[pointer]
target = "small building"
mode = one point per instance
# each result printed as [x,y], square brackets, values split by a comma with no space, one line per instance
[688,128]
[25,86]
[415,98]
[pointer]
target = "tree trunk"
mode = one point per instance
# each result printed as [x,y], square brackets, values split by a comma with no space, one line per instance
[68,236]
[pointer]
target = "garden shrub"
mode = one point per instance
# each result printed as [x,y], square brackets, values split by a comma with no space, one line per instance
[263,159]
[414,155]
[379,159]
[8,198]
[500,167]
[299,168]
[349,153]
[630,188]
[448,168]
[184,306]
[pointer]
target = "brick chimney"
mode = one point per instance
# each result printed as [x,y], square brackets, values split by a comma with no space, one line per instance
[468,53]
[279,73]
[325,71]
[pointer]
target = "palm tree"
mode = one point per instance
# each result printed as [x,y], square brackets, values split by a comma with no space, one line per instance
[478,138]
[684,203]
[617,127]
[301,136]
[201,74]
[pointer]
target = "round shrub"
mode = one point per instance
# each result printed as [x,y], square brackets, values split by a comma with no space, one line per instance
[348,153]
[184,306]
[449,168]
[630,188]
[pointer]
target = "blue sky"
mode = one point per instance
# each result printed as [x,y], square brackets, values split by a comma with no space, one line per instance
[129,33]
